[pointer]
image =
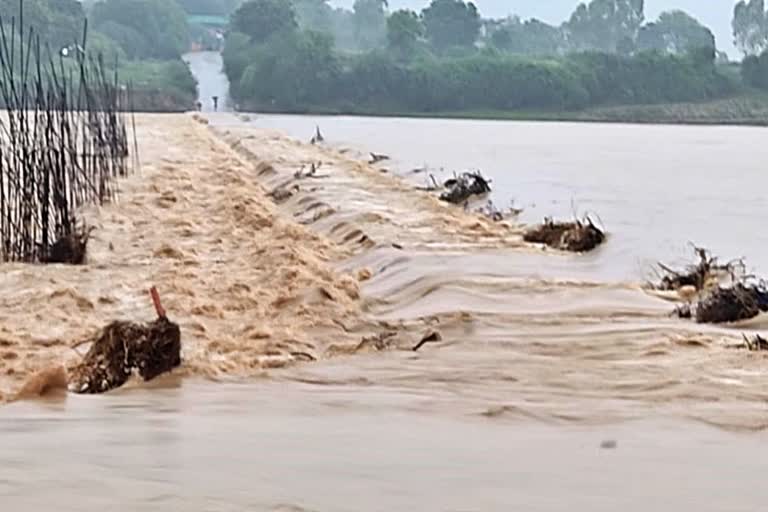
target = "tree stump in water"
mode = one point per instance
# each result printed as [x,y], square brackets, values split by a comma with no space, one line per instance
[122,347]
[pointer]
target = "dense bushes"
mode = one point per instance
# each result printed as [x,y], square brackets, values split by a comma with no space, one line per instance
[161,85]
[649,77]
[754,71]
[58,22]
[376,82]
[145,38]
[150,35]
[300,71]
[144,28]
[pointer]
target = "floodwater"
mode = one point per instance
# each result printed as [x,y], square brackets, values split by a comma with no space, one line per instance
[290,448]
[657,189]
[558,383]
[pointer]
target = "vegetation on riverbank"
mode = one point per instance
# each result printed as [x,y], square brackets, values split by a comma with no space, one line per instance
[440,63]
[150,36]
[144,38]
[747,109]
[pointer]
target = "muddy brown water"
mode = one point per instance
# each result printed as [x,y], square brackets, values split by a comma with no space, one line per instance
[545,357]
[656,188]
[291,447]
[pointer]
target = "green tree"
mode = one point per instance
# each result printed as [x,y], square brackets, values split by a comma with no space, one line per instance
[293,70]
[130,40]
[314,15]
[319,16]
[101,44]
[260,19]
[532,37]
[451,23]
[161,25]
[58,22]
[236,56]
[604,25]
[370,22]
[404,29]
[675,32]
[754,70]
[750,26]
[72,9]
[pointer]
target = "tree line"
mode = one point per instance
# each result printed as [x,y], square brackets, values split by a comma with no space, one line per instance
[750,29]
[145,38]
[447,58]
[449,26]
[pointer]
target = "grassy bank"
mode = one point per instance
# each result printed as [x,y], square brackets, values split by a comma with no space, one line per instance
[160,85]
[750,109]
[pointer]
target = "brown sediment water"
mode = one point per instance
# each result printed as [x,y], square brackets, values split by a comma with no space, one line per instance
[553,340]
[358,261]
[311,302]
[655,187]
[250,288]
[345,447]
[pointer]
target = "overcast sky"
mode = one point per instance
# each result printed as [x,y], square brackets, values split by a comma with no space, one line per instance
[716,14]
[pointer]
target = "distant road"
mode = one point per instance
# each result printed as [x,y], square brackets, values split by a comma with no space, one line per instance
[207,67]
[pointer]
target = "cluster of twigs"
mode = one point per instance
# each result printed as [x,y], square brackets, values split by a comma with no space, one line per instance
[63,141]
[708,271]
[715,292]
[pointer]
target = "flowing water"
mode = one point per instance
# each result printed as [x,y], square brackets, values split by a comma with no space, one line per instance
[559,383]
[656,188]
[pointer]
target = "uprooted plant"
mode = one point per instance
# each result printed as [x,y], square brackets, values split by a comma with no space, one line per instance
[574,236]
[124,347]
[715,292]
[707,272]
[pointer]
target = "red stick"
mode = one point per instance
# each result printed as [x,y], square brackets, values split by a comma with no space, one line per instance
[156,301]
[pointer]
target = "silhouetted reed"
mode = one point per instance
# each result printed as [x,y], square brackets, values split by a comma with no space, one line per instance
[63,141]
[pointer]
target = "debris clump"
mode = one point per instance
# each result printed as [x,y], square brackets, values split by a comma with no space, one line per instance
[715,292]
[576,236]
[122,347]
[460,188]
[741,301]
[704,273]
